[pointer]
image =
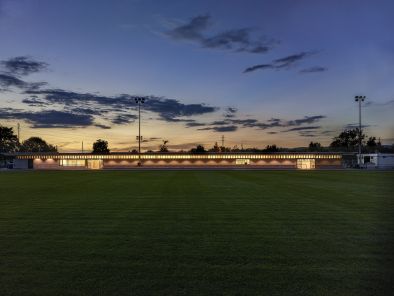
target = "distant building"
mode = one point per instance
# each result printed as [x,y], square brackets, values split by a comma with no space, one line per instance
[377,160]
[69,161]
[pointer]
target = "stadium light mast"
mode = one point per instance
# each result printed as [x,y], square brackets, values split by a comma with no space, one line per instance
[139,101]
[359,99]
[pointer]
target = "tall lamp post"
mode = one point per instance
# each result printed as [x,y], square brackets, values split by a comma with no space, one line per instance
[139,101]
[359,99]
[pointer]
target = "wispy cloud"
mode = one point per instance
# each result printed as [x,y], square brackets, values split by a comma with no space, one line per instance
[232,124]
[306,119]
[227,128]
[23,65]
[12,69]
[355,125]
[328,132]
[195,124]
[193,30]
[120,110]
[276,122]
[237,40]
[62,108]
[259,67]
[170,110]
[379,104]
[7,82]
[315,69]
[307,134]
[48,118]
[282,63]
[102,126]
[230,112]
[302,128]
[124,118]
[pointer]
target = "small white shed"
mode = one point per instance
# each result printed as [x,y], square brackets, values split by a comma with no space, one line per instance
[378,160]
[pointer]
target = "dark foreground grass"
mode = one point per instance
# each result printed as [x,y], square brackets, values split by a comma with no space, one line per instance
[196,233]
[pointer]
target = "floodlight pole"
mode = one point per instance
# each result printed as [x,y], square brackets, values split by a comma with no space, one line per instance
[139,130]
[359,99]
[139,101]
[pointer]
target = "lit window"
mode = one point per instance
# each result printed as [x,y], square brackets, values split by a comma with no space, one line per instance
[305,164]
[72,162]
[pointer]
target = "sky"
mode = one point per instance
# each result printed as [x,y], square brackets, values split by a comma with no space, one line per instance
[257,73]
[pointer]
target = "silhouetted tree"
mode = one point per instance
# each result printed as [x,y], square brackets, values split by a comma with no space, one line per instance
[314,146]
[198,149]
[163,147]
[215,148]
[270,148]
[347,139]
[134,151]
[100,147]
[8,141]
[371,142]
[36,144]
[224,149]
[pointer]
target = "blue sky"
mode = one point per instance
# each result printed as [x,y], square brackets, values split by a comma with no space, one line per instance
[306,60]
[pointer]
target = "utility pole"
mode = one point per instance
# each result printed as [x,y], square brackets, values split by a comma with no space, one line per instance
[222,140]
[82,146]
[139,101]
[19,132]
[359,99]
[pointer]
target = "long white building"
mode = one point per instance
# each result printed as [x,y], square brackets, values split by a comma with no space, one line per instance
[64,161]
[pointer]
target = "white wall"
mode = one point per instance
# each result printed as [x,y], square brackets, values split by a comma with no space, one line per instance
[386,160]
[21,164]
[46,164]
[379,160]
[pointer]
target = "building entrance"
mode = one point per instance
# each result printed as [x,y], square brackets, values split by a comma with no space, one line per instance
[305,164]
[95,164]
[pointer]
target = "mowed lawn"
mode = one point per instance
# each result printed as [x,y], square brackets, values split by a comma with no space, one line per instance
[196,233]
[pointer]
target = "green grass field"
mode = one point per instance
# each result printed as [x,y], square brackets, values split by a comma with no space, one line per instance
[196,233]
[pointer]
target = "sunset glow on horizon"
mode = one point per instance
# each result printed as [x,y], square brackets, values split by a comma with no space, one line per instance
[256,72]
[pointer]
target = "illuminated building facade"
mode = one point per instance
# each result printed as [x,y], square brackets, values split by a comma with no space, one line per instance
[64,161]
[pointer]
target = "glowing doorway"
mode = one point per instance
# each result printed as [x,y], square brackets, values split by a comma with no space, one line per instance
[95,164]
[305,164]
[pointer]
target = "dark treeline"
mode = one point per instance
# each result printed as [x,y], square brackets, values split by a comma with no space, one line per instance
[346,141]
[9,143]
